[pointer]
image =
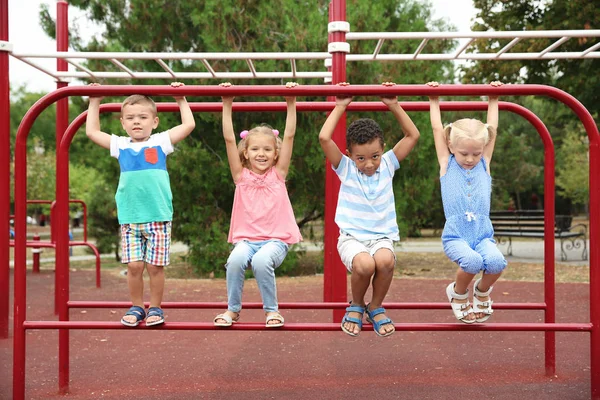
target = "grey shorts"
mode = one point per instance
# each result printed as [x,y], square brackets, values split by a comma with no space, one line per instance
[348,247]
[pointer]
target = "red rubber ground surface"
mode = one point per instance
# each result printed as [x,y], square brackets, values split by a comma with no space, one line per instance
[300,365]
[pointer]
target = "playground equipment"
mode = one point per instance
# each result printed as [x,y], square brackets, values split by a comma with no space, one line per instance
[334,294]
[37,244]
[550,326]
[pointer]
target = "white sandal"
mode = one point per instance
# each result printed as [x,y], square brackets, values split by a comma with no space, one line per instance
[484,307]
[461,310]
[227,318]
[274,317]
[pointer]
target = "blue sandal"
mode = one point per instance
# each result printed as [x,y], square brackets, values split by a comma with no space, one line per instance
[359,322]
[155,312]
[138,312]
[378,324]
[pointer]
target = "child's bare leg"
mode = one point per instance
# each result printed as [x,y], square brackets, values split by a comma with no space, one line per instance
[135,282]
[363,268]
[463,279]
[384,274]
[157,287]
[487,281]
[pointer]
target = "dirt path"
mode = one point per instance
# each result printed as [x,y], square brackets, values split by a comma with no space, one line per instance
[298,365]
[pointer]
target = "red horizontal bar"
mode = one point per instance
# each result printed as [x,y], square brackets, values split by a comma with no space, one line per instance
[296,305]
[36,243]
[316,106]
[40,243]
[209,326]
[306,90]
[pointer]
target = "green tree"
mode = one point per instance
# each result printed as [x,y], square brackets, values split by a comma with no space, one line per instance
[200,178]
[573,177]
[43,133]
[570,75]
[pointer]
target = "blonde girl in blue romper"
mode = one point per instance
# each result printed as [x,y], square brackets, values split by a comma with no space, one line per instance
[464,150]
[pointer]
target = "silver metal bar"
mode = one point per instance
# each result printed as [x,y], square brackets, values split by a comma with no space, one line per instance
[420,48]
[508,46]
[251,66]
[122,66]
[463,48]
[81,67]
[166,67]
[378,48]
[553,46]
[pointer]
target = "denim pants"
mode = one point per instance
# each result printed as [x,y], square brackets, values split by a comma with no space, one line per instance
[264,257]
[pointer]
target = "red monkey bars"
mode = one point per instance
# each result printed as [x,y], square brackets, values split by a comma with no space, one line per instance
[365,90]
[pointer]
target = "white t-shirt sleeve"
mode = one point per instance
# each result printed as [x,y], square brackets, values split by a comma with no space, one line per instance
[114,145]
[392,161]
[342,168]
[164,140]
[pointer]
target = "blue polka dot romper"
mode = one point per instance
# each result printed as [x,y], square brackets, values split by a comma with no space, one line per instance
[466,198]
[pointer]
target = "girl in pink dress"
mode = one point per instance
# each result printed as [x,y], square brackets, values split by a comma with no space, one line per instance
[263,225]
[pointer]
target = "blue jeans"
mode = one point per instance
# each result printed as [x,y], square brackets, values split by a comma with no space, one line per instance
[264,257]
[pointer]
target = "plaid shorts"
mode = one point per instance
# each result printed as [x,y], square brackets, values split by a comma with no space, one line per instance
[149,242]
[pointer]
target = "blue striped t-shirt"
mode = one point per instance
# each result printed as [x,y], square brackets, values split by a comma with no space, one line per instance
[144,191]
[366,208]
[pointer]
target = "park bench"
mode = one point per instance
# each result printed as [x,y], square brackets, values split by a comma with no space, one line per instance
[530,224]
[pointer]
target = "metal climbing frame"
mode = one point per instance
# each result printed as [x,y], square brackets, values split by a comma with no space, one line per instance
[467,39]
[117,60]
[337,49]
[21,325]
[334,71]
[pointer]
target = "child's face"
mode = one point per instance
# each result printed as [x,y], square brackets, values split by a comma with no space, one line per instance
[467,152]
[367,156]
[261,152]
[138,120]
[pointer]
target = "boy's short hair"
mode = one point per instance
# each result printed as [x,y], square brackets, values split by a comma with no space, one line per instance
[139,99]
[362,131]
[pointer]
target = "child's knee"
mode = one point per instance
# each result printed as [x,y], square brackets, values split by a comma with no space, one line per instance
[363,265]
[385,263]
[135,268]
[236,260]
[495,264]
[262,264]
[155,270]
[471,264]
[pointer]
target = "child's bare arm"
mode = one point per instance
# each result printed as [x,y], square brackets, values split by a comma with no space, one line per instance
[188,124]
[492,121]
[285,154]
[92,122]
[233,156]
[411,133]
[331,150]
[439,136]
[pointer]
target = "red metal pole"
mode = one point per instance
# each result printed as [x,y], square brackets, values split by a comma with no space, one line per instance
[62,269]
[304,305]
[317,326]
[335,275]
[4,172]
[84,220]
[36,255]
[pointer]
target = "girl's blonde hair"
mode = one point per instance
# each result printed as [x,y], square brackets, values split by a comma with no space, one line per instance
[263,129]
[469,128]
